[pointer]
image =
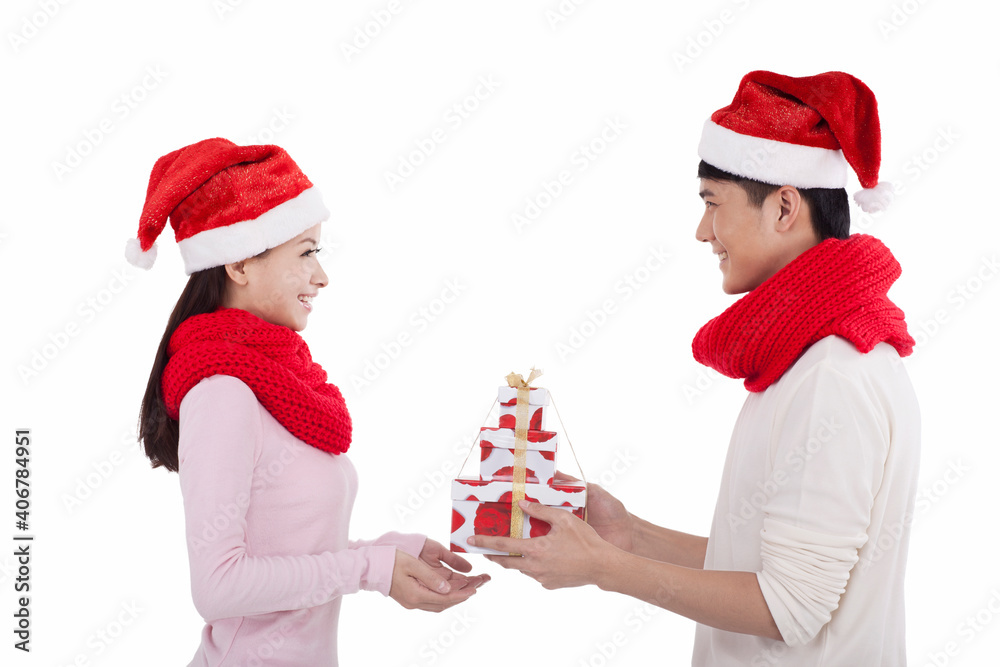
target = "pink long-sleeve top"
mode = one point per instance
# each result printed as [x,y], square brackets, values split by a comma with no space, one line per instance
[267,520]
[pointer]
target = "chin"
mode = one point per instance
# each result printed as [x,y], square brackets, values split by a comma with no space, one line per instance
[294,319]
[731,289]
[290,322]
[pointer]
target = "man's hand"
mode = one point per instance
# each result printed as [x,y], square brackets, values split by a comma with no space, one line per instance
[572,554]
[606,514]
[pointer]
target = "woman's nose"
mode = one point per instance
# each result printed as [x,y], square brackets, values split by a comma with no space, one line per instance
[320,278]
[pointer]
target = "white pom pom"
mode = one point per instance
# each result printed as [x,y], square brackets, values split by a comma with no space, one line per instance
[137,257]
[873,200]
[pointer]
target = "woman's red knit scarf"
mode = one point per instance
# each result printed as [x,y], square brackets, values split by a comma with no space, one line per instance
[837,287]
[272,360]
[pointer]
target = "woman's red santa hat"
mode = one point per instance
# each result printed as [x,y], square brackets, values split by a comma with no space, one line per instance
[800,131]
[225,203]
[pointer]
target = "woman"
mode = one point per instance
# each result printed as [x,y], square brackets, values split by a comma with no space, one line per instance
[238,408]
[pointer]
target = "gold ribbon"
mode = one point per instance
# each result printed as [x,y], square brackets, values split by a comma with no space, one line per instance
[521,419]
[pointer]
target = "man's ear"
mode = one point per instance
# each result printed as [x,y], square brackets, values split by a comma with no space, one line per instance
[237,272]
[790,207]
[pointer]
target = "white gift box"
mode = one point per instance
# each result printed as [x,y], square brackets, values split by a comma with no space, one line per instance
[536,396]
[483,507]
[537,416]
[497,454]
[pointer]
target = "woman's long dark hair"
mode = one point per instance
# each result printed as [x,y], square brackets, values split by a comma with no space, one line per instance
[202,294]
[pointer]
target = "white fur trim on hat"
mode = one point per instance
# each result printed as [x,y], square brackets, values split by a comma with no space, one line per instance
[240,240]
[138,257]
[769,161]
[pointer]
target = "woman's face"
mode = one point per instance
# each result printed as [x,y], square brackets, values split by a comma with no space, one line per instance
[279,285]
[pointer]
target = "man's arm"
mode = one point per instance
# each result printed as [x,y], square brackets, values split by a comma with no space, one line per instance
[608,516]
[573,554]
[669,546]
[729,601]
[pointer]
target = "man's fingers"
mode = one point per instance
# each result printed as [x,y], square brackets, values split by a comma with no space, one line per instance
[547,514]
[509,562]
[497,543]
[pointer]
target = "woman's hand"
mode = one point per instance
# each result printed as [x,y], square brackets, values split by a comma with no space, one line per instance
[440,559]
[417,585]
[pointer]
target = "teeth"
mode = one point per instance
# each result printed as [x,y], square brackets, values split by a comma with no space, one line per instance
[723,255]
[307,299]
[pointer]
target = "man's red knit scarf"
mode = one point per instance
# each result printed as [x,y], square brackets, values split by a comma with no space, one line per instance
[837,287]
[272,360]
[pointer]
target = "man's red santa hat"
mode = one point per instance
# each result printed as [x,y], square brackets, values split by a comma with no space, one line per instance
[225,203]
[800,131]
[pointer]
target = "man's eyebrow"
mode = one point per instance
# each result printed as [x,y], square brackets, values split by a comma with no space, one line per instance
[706,193]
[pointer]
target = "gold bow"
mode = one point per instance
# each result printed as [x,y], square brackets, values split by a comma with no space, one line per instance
[522,416]
[515,380]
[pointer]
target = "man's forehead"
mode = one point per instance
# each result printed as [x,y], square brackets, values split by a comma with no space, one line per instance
[709,188]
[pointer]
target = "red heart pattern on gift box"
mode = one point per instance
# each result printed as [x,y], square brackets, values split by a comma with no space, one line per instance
[483,506]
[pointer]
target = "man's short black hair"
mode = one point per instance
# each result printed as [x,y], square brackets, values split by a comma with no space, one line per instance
[829,207]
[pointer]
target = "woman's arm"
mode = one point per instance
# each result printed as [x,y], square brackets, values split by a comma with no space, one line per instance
[219,445]
[411,543]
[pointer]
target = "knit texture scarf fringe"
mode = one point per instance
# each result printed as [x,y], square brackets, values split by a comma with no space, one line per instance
[272,360]
[836,288]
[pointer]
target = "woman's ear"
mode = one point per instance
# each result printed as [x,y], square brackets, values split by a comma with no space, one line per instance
[237,272]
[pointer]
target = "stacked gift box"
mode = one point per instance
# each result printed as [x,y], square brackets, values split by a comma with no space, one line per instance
[482,505]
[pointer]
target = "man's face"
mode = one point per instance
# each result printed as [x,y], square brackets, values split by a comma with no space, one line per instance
[742,235]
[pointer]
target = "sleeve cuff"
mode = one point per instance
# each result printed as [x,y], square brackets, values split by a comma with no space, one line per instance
[410,543]
[378,574]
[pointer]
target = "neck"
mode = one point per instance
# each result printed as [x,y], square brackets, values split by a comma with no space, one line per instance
[234,298]
[793,249]
[791,242]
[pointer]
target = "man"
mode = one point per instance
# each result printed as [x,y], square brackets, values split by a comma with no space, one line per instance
[805,560]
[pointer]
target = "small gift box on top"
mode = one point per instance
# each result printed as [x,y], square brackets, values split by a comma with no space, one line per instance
[517,460]
[538,407]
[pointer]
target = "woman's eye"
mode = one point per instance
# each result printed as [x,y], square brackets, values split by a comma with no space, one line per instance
[307,253]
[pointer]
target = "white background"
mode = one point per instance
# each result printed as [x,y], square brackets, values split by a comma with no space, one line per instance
[109,531]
